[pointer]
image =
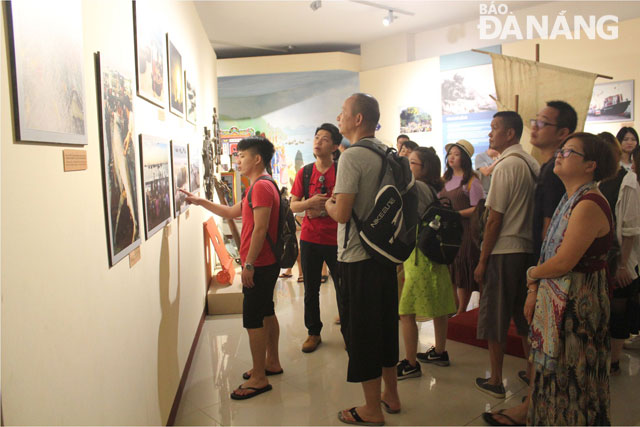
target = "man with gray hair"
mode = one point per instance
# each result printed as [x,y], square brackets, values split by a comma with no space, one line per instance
[368,290]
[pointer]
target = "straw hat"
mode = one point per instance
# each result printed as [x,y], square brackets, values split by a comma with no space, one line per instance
[463,144]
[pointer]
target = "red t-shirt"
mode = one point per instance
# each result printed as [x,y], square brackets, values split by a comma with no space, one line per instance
[264,193]
[321,230]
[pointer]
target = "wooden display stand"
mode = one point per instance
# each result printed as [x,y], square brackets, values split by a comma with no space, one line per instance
[224,288]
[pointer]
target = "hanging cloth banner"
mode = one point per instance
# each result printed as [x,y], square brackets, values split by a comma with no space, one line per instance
[536,83]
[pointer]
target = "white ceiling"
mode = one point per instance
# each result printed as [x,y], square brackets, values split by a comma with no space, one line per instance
[237,27]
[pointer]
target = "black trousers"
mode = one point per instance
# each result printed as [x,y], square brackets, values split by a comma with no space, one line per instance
[312,256]
[368,304]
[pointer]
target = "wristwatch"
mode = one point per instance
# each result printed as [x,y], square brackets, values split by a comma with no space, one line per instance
[248,266]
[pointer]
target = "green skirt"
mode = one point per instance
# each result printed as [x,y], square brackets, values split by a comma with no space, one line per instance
[427,290]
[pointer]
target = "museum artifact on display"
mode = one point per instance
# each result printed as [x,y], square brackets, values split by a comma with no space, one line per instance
[194,169]
[156,182]
[45,43]
[190,100]
[115,90]
[180,162]
[150,54]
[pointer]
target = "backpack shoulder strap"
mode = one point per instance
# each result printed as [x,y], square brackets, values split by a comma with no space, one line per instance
[261,178]
[521,157]
[307,171]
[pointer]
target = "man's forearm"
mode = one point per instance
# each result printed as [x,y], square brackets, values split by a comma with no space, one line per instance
[491,233]
[299,206]
[216,209]
[258,236]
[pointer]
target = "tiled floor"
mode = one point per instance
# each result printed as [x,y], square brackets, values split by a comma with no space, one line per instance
[313,387]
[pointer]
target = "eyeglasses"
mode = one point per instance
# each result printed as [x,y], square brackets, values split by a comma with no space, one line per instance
[566,152]
[540,124]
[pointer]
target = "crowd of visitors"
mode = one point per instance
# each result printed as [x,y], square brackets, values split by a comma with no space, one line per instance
[555,250]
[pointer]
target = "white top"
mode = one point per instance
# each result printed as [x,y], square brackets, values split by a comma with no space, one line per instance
[628,217]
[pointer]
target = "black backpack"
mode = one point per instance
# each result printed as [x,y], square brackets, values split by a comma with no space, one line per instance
[285,248]
[388,232]
[440,231]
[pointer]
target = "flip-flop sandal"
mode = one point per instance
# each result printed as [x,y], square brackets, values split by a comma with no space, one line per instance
[285,276]
[357,420]
[488,417]
[388,409]
[523,376]
[256,391]
[267,372]
[324,279]
[300,279]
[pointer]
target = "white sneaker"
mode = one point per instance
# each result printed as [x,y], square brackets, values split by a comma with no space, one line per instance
[632,343]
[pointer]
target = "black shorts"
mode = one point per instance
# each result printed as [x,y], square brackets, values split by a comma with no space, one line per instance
[258,300]
[368,304]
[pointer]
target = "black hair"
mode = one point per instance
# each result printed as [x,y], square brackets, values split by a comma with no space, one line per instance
[259,145]
[410,145]
[366,105]
[336,136]
[612,141]
[431,166]
[402,135]
[465,164]
[511,120]
[596,150]
[635,158]
[567,116]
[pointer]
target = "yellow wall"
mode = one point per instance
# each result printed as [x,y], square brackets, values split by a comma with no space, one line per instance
[619,59]
[83,343]
[418,83]
[288,64]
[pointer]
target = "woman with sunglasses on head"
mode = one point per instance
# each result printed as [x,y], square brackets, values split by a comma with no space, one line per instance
[628,138]
[623,194]
[567,302]
[464,189]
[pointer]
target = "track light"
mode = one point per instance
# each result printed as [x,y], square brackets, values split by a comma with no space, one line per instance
[388,20]
[315,5]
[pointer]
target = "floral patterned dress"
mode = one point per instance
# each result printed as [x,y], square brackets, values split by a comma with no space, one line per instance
[570,346]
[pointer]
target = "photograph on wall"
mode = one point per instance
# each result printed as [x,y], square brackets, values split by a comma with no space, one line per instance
[611,102]
[467,107]
[45,43]
[176,80]
[229,178]
[150,54]
[115,86]
[156,182]
[414,120]
[180,162]
[194,169]
[190,100]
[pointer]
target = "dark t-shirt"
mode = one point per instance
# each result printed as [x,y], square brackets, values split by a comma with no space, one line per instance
[610,189]
[549,191]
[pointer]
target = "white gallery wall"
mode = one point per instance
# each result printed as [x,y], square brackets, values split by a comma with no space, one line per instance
[83,343]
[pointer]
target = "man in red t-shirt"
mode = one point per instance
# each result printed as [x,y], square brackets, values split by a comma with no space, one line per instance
[259,266]
[314,183]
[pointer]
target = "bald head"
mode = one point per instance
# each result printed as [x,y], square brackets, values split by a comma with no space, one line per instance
[368,107]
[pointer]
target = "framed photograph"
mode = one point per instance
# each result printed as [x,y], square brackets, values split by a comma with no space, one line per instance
[194,169]
[611,102]
[156,182]
[229,178]
[45,44]
[180,162]
[190,100]
[150,54]
[176,80]
[115,95]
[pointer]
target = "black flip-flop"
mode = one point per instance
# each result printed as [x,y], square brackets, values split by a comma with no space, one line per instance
[285,276]
[388,409]
[357,420]
[324,279]
[523,376]
[489,419]
[256,391]
[267,372]
[300,280]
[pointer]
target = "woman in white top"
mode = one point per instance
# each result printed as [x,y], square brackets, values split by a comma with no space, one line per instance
[628,138]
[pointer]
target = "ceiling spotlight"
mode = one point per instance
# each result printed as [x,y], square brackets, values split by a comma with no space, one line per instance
[315,5]
[388,20]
